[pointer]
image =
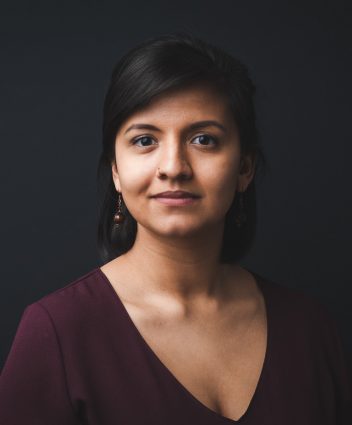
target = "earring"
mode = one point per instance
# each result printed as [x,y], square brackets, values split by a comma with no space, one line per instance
[119,217]
[241,217]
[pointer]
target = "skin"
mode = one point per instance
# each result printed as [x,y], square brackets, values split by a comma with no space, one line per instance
[177,248]
[205,322]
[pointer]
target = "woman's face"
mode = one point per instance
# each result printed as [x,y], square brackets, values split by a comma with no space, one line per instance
[170,135]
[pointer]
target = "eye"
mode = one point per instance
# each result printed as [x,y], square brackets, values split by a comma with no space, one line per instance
[143,139]
[204,138]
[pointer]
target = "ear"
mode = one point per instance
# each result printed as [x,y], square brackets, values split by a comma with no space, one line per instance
[247,171]
[115,176]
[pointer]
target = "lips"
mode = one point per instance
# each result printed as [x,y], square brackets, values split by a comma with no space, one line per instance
[176,194]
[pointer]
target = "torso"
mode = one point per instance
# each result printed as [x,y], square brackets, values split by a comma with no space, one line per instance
[219,357]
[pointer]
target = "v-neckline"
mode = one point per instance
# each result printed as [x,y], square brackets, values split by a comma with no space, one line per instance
[261,285]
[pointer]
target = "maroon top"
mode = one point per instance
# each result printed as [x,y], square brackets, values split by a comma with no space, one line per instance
[78,358]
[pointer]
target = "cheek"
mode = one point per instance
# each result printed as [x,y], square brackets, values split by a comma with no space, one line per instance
[221,188]
[136,181]
[222,176]
[134,174]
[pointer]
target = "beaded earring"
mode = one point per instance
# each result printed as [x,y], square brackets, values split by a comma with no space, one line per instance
[241,217]
[119,217]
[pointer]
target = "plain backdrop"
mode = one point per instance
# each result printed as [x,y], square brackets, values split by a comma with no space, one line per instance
[56,61]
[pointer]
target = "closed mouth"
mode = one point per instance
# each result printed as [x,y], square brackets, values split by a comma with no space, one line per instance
[176,195]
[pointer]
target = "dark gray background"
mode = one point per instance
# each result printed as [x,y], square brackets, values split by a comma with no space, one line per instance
[56,59]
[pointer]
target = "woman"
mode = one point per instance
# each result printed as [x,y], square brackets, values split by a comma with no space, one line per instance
[171,329]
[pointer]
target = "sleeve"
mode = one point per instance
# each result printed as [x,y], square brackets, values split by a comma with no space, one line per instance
[341,369]
[33,388]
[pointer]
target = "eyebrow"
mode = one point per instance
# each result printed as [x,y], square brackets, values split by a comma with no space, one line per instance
[193,126]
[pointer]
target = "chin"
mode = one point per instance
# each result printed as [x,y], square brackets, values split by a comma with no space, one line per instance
[178,230]
[175,230]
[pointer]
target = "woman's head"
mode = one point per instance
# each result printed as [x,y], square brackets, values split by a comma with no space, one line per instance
[173,82]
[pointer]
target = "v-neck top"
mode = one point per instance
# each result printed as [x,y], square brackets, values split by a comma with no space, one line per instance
[78,359]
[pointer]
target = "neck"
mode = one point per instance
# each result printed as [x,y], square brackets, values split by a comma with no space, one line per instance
[185,268]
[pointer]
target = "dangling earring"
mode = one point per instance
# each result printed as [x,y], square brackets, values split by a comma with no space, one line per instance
[241,217]
[119,217]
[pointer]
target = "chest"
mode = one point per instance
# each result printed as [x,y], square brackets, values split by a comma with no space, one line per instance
[219,362]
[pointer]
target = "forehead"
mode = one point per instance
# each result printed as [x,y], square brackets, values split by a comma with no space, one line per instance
[186,104]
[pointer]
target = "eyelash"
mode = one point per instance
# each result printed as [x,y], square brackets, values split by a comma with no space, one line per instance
[134,141]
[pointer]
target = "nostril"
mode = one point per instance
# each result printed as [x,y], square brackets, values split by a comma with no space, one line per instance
[180,174]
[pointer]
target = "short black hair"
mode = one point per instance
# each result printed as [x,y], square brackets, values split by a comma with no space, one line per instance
[175,60]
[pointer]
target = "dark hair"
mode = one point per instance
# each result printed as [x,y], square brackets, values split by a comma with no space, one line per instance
[158,64]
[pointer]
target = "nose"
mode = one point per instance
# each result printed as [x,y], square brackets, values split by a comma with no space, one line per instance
[173,161]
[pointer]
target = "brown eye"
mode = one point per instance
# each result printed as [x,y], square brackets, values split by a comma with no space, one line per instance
[142,140]
[205,138]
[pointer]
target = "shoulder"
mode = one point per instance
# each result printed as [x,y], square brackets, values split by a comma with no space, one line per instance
[297,311]
[290,299]
[302,320]
[72,305]
[79,289]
